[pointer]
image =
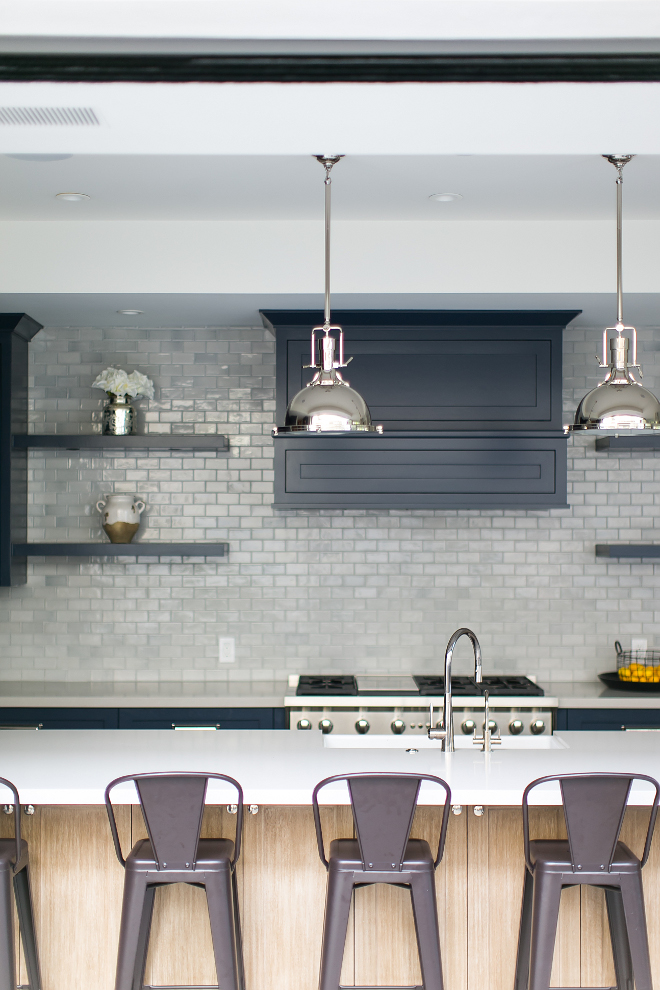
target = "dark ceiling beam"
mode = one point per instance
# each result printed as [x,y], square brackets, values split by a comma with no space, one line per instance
[299,68]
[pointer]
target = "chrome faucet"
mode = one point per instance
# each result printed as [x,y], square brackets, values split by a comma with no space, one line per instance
[446,730]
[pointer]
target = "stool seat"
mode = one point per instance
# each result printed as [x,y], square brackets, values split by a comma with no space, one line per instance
[554,855]
[212,854]
[345,855]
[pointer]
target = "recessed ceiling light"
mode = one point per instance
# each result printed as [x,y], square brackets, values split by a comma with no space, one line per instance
[445,197]
[130,312]
[72,197]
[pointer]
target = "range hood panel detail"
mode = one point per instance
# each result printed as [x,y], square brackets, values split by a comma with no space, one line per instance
[470,402]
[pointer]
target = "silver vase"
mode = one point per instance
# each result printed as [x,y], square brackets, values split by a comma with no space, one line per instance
[119,419]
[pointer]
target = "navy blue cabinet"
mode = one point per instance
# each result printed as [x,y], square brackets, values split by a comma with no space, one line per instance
[60,718]
[16,331]
[607,719]
[141,718]
[223,718]
[470,402]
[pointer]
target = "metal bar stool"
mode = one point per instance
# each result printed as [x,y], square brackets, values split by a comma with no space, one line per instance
[594,805]
[14,866]
[383,808]
[173,806]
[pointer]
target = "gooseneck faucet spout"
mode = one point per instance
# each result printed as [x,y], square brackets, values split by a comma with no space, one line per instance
[446,730]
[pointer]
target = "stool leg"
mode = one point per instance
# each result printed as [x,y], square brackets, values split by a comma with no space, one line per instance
[23,897]
[425,910]
[633,904]
[337,909]
[239,933]
[545,913]
[620,948]
[7,955]
[219,897]
[525,935]
[135,892]
[142,949]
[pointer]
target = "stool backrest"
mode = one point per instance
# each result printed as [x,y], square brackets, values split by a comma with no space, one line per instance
[383,808]
[173,806]
[594,805]
[17,817]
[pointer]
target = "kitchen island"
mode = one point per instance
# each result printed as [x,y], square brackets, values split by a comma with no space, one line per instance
[77,881]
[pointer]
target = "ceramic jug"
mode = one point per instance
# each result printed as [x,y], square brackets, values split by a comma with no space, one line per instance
[120,516]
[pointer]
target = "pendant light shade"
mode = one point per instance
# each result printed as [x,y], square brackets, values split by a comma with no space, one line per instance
[619,402]
[327,404]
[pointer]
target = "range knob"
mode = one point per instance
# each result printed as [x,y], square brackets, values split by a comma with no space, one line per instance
[492,725]
[398,726]
[326,726]
[304,723]
[468,726]
[537,727]
[362,726]
[516,727]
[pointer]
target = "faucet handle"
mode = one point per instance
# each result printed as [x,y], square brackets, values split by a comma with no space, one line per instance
[434,733]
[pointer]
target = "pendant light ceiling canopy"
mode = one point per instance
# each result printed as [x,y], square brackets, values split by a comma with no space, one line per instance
[619,402]
[327,404]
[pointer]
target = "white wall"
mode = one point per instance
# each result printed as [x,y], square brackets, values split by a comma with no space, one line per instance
[310,590]
[281,257]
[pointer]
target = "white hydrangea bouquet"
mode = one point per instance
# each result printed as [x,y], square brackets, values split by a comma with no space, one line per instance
[116,381]
[119,417]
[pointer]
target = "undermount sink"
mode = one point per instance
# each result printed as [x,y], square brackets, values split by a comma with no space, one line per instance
[423,742]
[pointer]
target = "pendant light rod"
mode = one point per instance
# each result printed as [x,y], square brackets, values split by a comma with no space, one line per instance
[619,161]
[327,161]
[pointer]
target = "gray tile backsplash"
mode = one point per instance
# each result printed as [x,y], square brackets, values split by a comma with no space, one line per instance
[305,590]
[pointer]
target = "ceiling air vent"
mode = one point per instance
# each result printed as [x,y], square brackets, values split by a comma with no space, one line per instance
[67,116]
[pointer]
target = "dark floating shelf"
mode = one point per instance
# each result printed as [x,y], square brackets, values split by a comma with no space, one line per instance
[216,442]
[631,550]
[650,441]
[120,549]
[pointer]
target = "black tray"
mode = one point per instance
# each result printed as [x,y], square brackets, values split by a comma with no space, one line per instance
[612,680]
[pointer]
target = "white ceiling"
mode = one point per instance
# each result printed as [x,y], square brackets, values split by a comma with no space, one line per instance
[271,119]
[388,187]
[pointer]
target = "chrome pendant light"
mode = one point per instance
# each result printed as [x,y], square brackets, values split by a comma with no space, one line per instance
[327,404]
[620,402]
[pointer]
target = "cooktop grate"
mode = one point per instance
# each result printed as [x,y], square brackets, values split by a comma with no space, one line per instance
[499,685]
[330,684]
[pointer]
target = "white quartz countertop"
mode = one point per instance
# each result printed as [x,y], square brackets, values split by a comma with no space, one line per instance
[281,768]
[277,694]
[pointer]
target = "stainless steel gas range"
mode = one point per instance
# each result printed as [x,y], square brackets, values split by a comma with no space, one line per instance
[400,703]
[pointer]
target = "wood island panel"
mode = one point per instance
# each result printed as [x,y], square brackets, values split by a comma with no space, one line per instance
[77,887]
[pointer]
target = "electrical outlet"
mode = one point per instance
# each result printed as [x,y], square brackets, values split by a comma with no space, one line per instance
[227,650]
[638,644]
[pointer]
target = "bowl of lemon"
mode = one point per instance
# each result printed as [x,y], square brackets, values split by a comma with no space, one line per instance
[637,670]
